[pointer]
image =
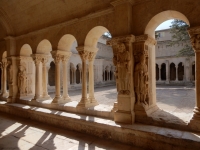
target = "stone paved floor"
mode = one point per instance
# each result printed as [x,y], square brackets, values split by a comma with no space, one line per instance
[18,133]
[176,100]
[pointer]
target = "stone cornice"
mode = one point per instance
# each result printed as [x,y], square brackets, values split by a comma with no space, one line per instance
[145,38]
[121,39]
[119,2]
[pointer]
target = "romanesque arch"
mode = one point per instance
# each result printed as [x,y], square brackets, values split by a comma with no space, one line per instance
[172,72]
[26,71]
[157,72]
[51,74]
[163,71]
[180,71]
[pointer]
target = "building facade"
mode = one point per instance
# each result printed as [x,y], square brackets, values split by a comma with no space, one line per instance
[170,68]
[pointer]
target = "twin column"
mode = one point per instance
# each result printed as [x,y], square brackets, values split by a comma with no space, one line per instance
[41,82]
[61,56]
[90,56]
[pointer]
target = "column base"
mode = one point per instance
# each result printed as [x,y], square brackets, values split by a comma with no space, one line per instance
[115,108]
[123,117]
[84,103]
[57,100]
[66,99]
[93,101]
[195,121]
[5,95]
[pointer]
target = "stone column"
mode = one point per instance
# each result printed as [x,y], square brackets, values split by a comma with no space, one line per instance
[37,61]
[65,60]
[57,59]
[167,72]
[84,55]
[4,88]
[123,60]
[91,97]
[195,41]
[44,76]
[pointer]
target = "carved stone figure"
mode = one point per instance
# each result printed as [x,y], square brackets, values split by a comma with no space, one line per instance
[141,81]
[122,60]
[22,80]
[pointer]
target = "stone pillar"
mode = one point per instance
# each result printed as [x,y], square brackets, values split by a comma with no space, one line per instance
[123,60]
[65,60]
[84,102]
[44,77]
[37,61]
[167,71]
[195,41]
[91,97]
[144,77]
[75,76]
[57,60]
[4,87]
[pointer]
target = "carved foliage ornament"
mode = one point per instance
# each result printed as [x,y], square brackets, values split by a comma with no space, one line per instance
[195,41]
[84,55]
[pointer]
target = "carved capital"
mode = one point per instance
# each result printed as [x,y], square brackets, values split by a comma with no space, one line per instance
[91,56]
[84,55]
[65,58]
[195,41]
[57,58]
[195,38]
[121,39]
[37,60]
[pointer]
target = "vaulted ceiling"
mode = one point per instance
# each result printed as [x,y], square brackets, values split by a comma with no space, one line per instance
[23,16]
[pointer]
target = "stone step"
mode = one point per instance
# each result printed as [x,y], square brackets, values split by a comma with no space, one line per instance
[144,136]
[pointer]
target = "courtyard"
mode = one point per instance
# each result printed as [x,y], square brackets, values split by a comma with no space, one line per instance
[179,101]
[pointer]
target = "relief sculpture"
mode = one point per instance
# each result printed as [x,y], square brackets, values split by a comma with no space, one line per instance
[22,80]
[121,59]
[141,80]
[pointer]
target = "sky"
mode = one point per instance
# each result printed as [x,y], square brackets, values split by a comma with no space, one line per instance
[164,25]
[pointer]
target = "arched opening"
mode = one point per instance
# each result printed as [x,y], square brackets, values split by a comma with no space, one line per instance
[180,71]
[101,55]
[25,50]
[157,72]
[172,72]
[52,74]
[165,52]
[78,74]
[72,72]
[163,71]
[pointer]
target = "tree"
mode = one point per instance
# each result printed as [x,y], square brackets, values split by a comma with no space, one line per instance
[180,35]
